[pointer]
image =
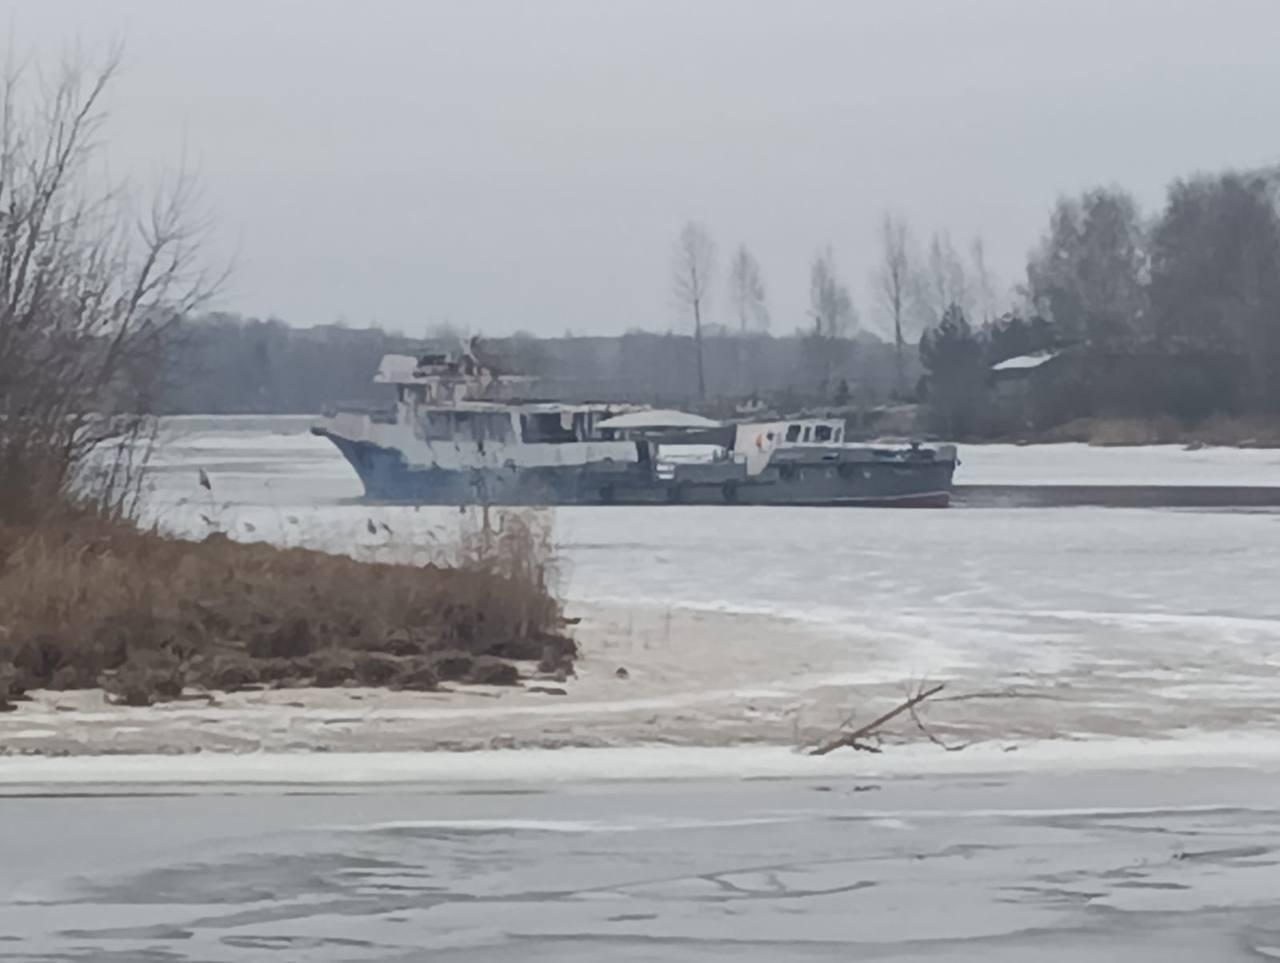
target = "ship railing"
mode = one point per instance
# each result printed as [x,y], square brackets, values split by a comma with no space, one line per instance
[377,413]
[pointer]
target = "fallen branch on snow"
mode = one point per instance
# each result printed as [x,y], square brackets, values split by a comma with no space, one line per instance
[855,739]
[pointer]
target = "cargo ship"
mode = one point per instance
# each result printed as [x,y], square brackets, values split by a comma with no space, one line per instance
[456,436]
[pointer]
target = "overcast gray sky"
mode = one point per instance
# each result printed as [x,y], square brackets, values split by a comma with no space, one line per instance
[523,164]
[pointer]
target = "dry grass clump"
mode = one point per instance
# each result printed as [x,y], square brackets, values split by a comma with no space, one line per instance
[1228,431]
[88,603]
[1122,432]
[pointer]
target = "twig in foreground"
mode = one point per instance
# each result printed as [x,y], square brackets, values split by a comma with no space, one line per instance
[855,738]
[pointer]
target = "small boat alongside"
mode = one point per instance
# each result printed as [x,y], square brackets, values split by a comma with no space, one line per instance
[450,439]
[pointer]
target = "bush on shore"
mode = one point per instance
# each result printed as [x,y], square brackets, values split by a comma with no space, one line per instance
[88,602]
[94,290]
[1230,432]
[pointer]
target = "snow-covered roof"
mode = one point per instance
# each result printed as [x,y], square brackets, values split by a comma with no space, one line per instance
[637,420]
[1025,362]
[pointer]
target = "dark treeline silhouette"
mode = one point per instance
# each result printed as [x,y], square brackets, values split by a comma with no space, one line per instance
[229,365]
[1176,317]
[791,371]
[225,364]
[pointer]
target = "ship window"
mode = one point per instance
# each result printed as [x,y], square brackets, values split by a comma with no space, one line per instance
[546,427]
[464,426]
[435,425]
[484,426]
[793,433]
[838,436]
[478,426]
[808,433]
[822,433]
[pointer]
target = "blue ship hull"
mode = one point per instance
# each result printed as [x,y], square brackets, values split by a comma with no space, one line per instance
[918,479]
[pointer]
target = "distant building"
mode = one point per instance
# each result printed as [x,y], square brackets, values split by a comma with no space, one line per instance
[1011,378]
[1027,390]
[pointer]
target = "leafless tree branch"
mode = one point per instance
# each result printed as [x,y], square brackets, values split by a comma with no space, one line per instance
[926,731]
[691,271]
[893,280]
[747,293]
[856,738]
[88,293]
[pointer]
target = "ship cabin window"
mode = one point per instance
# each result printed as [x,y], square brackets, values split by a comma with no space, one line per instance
[808,433]
[822,433]
[435,425]
[551,427]
[479,426]
[482,426]
[793,433]
[838,436]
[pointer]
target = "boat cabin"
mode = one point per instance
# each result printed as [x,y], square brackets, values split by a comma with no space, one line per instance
[438,378]
[813,432]
[529,424]
[791,434]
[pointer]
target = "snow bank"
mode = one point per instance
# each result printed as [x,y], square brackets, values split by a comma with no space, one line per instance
[1194,751]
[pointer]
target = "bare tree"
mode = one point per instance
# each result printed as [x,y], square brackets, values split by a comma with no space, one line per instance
[893,282]
[984,281]
[692,268]
[746,291]
[943,281]
[830,304]
[91,284]
[834,318]
[1089,274]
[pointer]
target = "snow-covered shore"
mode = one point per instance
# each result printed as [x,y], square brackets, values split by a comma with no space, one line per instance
[702,679]
[1259,752]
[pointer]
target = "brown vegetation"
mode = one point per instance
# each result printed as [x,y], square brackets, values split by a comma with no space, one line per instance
[89,603]
[1221,430]
[93,286]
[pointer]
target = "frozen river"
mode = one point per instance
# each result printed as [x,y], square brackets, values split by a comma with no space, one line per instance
[825,563]
[1128,621]
[1135,867]
[1122,806]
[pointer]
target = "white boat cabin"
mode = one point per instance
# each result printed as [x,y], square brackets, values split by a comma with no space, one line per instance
[455,398]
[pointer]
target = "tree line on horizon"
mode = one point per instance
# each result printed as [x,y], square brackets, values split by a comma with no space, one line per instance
[1172,314]
[1175,314]
[226,364]
[913,291]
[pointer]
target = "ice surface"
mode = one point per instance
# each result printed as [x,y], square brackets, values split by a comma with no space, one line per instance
[1076,464]
[1058,866]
